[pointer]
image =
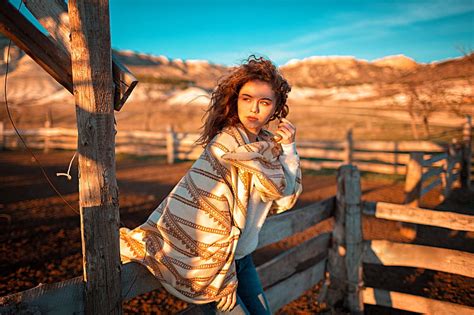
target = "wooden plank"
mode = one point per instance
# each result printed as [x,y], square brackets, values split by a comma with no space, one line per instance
[321,144]
[285,264]
[344,258]
[320,153]
[286,291]
[413,179]
[35,44]
[430,186]
[54,18]
[380,168]
[98,192]
[188,140]
[404,213]
[142,134]
[388,253]
[316,165]
[67,297]
[188,156]
[398,146]
[349,195]
[386,157]
[413,303]
[285,224]
[135,150]
[312,165]
[435,158]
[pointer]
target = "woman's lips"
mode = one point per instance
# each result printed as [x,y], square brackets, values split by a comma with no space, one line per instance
[251,118]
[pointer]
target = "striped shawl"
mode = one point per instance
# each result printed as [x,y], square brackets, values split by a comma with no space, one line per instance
[189,240]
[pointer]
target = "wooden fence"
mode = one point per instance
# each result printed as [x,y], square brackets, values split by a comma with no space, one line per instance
[441,169]
[385,157]
[425,164]
[337,258]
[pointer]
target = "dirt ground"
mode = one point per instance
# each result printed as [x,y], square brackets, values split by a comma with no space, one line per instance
[40,235]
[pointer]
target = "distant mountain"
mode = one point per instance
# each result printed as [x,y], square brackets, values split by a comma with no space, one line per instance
[332,77]
[160,69]
[326,72]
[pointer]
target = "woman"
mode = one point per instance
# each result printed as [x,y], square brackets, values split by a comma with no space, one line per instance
[198,242]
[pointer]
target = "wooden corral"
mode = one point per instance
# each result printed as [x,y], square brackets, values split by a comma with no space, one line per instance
[336,258]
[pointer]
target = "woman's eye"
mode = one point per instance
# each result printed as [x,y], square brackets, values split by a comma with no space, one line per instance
[265,103]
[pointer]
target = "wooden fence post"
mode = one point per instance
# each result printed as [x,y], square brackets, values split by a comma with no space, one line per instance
[170,144]
[466,154]
[98,192]
[345,254]
[46,145]
[348,147]
[448,169]
[413,179]
[2,137]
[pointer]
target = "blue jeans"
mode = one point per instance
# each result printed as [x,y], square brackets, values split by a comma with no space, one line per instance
[250,296]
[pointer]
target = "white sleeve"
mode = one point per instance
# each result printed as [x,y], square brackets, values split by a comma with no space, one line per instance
[289,160]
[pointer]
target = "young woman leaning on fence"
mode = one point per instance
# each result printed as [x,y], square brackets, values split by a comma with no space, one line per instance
[198,241]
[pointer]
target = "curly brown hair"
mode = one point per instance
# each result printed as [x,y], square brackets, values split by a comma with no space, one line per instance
[222,111]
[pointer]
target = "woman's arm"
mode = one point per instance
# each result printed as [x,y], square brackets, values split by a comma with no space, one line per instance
[290,162]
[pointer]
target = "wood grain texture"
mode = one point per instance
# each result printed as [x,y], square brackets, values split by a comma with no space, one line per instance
[285,224]
[388,253]
[35,44]
[413,303]
[404,213]
[344,259]
[285,264]
[98,191]
[413,179]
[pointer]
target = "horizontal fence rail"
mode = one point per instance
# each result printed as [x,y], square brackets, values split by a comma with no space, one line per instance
[388,253]
[385,157]
[413,303]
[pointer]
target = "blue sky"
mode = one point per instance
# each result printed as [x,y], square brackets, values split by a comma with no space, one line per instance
[227,31]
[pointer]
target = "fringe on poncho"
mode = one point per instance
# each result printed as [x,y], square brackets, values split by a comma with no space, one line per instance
[189,240]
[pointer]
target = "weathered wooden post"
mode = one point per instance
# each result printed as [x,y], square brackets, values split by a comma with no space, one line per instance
[466,154]
[413,179]
[2,137]
[98,192]
[46,144]
[345,254]
[348,147]
[170,144]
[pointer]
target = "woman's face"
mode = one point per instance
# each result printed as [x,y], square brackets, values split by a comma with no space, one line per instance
[255,105]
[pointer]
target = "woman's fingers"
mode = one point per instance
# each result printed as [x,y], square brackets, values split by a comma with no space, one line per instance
[287,131]
[234,300]
[227,302]
[226,306]
[221,303]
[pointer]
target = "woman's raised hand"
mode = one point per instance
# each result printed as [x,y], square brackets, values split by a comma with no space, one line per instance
[227,302]
[287,131]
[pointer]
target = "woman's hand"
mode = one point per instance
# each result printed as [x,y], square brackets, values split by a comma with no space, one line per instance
[287,131]
[227,302]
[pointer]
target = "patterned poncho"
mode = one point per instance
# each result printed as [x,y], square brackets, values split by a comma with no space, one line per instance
[189,240]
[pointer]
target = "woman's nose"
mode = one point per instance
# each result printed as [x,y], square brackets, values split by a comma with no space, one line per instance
[254,107]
